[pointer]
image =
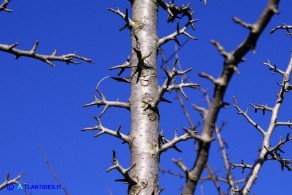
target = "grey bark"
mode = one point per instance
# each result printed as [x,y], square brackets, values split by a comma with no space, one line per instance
[144,88]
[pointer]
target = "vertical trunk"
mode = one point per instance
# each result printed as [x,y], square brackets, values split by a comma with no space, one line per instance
[144,87]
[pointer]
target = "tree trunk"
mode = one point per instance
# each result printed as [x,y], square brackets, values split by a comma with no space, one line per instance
[144,88]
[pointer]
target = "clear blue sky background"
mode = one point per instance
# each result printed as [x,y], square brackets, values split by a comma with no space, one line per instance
[41,106]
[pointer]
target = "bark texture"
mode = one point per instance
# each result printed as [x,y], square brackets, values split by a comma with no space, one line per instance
[144,88]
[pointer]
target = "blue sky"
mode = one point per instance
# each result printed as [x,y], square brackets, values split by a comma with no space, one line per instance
[41,106]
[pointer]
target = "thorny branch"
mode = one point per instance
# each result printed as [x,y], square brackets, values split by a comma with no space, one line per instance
[262,107]
[3,6]
[68,58]
[243,165]
[122,67]
[266,151]
[8,181]
[171,75]
[107,104]
[176,12]
[165,144]
[231,61]
[186,113]
[285,27]
[166,87]
[256,125]
[273,67]
[123,171]
[178,32]
[129,22]
[275,155]
[104,130]
[288,124]
[229,179]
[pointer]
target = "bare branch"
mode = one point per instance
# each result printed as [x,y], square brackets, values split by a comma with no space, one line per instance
[256,125]
[104,130]
[186,113]
[242,165]
[164,60]
[255,31]
[123,171]
[220,48]
[129,22]
[181,86]
[197,137]
[275,155]
[53,171]
[8,181]
[166,87]
[281,143]
[3,6]
[231,62]
[175,34]
[176,12]
[214,179]
[261,107]
[68,58]
[203,111]
[285,27]
[274,68]
[122,67]
[182,166]
[177,93]
[122,79]
[229,177]
[165,144]
[265,150]
[242,23]
[211,78]
[163,171]
[107,104]
[287,124]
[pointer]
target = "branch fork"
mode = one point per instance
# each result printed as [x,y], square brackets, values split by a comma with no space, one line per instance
[8,181]
[174,35]
[104,130]
[166,144]
[3,6]
[129,23]
[107,104]
[256,125]
[125,172]
[166,87]
[122,67]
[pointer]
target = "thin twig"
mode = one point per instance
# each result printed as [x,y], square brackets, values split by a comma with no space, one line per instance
[53,171]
